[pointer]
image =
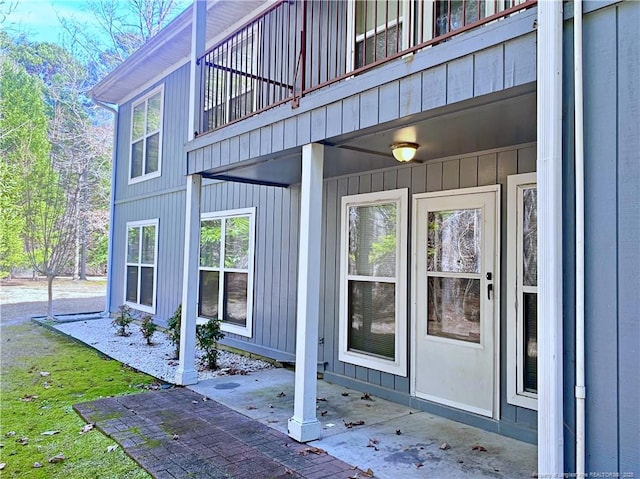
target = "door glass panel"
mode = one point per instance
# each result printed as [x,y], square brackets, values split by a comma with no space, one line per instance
[372,318]
[530,237]
[208,294]
[454,308]
[531,342]
[235,298]
[372,240]
[453,241]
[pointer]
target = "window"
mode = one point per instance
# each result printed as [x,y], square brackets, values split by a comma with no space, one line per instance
[454,14]
[379,30]
[141,265]
[226,269]
[373,259]
[522,290]
[146,137]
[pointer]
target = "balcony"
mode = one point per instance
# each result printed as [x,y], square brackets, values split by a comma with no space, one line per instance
[297,47]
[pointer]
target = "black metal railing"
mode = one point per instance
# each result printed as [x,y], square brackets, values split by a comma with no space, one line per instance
[298,46]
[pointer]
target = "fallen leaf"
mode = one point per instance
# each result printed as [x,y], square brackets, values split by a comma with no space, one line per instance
[281,394]
[175,437]
[2,465]
[194,402]
[321,399]
[444,446]
[57,458]
[398,432]
[28,397]
[9,434]
[373,443]
[419,465]
[323,413]
[345,393]
[272,421]
[36,465]
[44,374]
[479,448]
[366,397]
[23,441]
[49,433]
[350,424]
[112,448]
[312,449]
[288,471]
[86,428]
[250,408]
[367,473]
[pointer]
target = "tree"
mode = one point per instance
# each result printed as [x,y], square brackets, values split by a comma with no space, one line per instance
[36,191]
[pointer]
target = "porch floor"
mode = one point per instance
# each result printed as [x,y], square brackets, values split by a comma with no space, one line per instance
[394,441]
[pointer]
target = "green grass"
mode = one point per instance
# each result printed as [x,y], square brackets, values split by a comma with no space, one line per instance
[77,374]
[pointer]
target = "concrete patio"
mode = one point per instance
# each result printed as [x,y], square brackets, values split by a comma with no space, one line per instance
[393,442]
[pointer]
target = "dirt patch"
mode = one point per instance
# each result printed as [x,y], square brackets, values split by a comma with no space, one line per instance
[22,298]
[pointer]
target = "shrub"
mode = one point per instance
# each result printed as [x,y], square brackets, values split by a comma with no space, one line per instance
[147,327]
[122,321]
[173,329]
[208,335]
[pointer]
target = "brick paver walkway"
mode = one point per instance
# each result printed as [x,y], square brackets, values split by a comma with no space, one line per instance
[177,434]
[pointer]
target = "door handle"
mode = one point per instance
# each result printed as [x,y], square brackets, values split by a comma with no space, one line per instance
[489,286]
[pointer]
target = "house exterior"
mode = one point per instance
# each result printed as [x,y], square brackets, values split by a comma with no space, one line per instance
[254,181]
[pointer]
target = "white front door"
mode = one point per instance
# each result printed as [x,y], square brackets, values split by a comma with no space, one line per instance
[455,298]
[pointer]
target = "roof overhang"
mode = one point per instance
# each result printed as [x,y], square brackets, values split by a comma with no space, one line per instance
[171,47]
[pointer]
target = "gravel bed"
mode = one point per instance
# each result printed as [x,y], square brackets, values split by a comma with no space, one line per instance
[157,360]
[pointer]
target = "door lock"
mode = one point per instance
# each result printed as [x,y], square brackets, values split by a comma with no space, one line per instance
[489,286]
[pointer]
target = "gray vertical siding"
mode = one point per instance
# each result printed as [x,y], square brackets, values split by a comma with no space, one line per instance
[612,229]
[174,137]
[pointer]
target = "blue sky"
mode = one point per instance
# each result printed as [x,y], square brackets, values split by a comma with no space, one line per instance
[38,19]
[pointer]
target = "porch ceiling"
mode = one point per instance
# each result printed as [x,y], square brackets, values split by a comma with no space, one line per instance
[471,127]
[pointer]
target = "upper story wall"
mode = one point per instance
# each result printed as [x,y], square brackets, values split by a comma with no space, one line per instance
[175,88]
[487,60]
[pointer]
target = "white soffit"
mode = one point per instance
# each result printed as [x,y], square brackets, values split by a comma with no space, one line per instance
[173,45]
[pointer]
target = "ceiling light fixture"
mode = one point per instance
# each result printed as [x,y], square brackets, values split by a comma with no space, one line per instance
[404,152]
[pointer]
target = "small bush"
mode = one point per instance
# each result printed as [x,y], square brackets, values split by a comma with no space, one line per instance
[173,329]
[208,335]
[122,321]
[147,328]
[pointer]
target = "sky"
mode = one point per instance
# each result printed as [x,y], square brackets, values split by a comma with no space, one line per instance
[38,19]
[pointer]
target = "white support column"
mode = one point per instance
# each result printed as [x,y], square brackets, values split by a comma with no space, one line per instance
[549,169]
[187,373]
[304,425]
[198,42]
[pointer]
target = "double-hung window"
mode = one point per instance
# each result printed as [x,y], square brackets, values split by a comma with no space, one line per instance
[373,259]
[379,29]
[226,269]
[452,15]
[146,137]
[522,290]
[141,265]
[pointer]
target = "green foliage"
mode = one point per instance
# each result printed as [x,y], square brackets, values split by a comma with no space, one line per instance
[32,404]
[97,254]
[147,328]
[207,336]
[122,321]
[173,329]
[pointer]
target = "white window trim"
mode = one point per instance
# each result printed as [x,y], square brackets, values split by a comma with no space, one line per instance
[157,173]
[399,365]
[136,224]
[246,331]
[516,394]
[407,32]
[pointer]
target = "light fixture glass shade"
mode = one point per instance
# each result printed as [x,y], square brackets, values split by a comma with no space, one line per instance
[404,152]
